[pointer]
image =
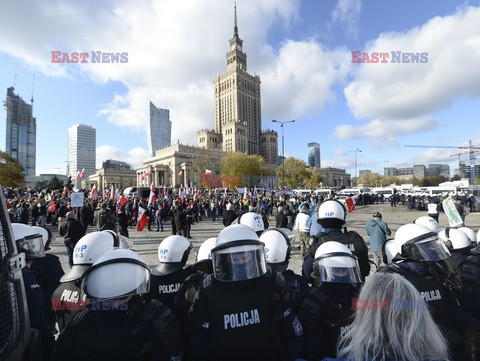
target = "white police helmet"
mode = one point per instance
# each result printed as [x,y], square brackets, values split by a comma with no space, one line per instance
[116,274]
[470,234]
[389,251]
[334,262]
[252,220]
[277,248]
[173,254]
[205,250]
[289,234]
[28,240]
[428,222]
[331,214]
[455,239]
[238,255]
[478,237]
[419,243]
[87,250]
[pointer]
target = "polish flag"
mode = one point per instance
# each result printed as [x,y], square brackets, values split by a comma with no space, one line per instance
[77,176]
[142,219]
[208,171]
[180,173]
[93,192]
[165,192]
[350,204]
[65,191]
[112,193]
[51,207]
[122,201]
[153,197]
[143,176]
[82,173]
[148,172]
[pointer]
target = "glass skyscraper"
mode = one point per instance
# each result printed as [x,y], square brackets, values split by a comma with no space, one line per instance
[159,131]
[21,133]
[314,155]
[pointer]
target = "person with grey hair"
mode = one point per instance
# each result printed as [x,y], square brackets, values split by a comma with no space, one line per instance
[392,322]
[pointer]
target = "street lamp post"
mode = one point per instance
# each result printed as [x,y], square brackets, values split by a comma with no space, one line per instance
[283,146]
[355,174]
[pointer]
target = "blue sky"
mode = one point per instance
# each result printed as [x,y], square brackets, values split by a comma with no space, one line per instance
[300,49]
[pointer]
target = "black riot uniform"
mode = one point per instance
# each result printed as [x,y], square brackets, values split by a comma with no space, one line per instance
[355,243]
[165,287]
[326,315]
[67,301]
[244,320]
[143,331]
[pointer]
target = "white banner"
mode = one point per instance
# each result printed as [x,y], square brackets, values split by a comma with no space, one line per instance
[76,199]
[451,212]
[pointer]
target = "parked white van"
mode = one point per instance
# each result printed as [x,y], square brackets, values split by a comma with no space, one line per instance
[386,191]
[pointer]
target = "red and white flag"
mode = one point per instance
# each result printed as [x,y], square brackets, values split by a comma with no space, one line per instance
[51,207]
[180,173]
[208,171]
[165,192]
[93,192]
[77,176]
[65,190]
[112,193]
[153,197]
[82,173]
[148,172]
[122,200]
[142,219]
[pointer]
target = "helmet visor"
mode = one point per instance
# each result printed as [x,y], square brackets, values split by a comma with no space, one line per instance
[116,278]
[32,246]
[431,249]
[337,269]
[239,263]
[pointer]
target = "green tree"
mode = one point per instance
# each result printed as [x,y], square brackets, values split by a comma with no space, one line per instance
[11,171]
[43,184]
[243,166]
[314,178]
[371,179]
[55,183]
[296,173]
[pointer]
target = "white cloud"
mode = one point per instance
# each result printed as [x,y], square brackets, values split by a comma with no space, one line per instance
[347,13]
[134,156]
[174,52]
[400,95]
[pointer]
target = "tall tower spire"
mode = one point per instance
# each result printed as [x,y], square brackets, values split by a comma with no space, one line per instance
[235,27]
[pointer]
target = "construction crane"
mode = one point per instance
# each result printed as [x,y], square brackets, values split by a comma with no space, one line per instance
[471,149]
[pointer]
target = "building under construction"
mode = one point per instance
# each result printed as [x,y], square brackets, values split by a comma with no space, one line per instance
[21,133]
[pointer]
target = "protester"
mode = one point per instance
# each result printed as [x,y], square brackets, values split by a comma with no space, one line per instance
[378,231]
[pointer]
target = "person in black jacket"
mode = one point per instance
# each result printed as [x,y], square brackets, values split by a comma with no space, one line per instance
[281,219]
[123,221]
[71,230]
[180,217]
[229,216]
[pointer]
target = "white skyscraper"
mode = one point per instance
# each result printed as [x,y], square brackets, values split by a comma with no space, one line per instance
[159,131]
[81,150]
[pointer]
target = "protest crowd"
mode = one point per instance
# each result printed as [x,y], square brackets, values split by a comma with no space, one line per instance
[413,294]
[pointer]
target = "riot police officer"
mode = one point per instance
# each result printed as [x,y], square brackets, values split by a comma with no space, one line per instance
[331,216]
[419,250]
[120,325]
[171,272]
[278,245]
[68,299]
[327,310]
[239,312]
[30,242]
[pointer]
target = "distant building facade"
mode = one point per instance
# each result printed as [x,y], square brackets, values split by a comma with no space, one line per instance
[159,130]
[237,109]
[82,142]
[335,178]
[114,173]
[418,171]
[21,132]
[314,155]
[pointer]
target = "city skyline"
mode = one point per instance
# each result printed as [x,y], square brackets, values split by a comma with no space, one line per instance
[159,129]
[301,51]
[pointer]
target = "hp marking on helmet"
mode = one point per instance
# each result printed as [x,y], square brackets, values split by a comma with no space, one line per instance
[80,248]
[329,214]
